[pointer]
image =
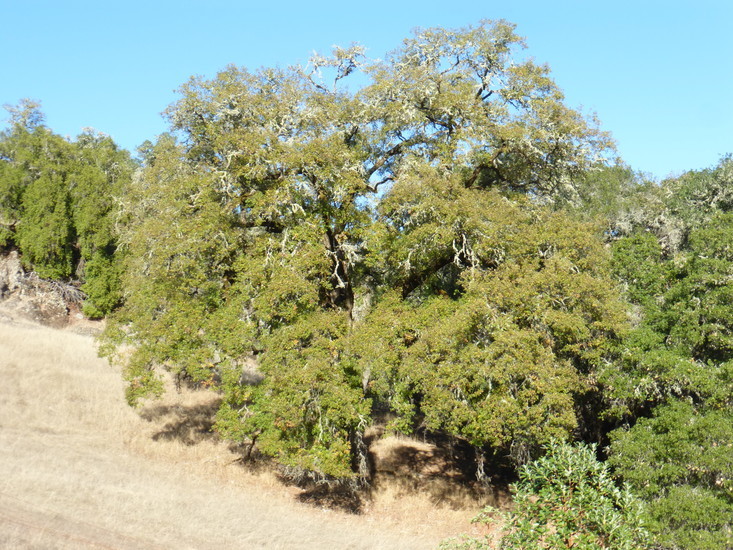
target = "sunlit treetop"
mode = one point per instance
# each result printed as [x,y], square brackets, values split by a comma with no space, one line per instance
[463,99]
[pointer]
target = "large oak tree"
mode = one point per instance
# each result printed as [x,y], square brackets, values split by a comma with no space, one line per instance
[304,204]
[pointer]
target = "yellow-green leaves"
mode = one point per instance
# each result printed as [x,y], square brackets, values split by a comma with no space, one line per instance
[507,314]
[379,249]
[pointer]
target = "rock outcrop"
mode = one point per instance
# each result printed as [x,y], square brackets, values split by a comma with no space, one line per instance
[24,293]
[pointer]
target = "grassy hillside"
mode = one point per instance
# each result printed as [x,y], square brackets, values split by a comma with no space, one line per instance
[80,469]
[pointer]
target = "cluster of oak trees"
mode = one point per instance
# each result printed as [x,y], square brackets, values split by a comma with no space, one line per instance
[433,241]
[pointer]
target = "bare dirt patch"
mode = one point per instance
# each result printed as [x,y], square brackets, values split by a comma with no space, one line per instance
[80,469]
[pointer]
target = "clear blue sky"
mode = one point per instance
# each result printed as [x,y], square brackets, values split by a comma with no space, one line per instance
[659,75]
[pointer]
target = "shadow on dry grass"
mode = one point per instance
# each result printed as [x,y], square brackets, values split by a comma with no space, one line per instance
[188,424]
[404,469]
[335,497]
[440,473]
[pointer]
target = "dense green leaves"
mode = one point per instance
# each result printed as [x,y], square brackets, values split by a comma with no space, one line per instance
[177,244]
[672,382]
[566,499]
[519,307]
[299,218]
[314,397]
[57,204]
[45,230]
[681,461]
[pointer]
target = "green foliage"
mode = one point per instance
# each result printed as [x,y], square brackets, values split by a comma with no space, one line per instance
[638,262]
[682,342]
[566,499]
[11,193]
[670,210]
[314,397]
[700,312]
[45,231]
[672,382]
[269,237]
[467,102]
[612,194]
[102,286]
[681,462]
[177,243]
[57,204]
[37,199]
[698,194]
[518,307]
[100,174]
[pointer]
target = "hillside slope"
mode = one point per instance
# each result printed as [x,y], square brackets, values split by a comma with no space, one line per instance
[80,469]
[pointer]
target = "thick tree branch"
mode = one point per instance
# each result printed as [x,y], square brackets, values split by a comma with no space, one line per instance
[417,278]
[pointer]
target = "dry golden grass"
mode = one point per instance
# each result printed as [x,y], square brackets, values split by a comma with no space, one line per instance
[80,469]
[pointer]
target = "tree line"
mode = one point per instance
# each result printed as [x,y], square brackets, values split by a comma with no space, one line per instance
[434,241]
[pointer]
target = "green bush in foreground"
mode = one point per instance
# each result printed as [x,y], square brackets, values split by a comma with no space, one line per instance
[567,499]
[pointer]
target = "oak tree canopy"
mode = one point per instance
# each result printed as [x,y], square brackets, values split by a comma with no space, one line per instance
[377,233]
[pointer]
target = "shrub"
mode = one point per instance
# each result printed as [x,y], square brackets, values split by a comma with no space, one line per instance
[567,499]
